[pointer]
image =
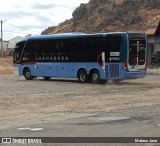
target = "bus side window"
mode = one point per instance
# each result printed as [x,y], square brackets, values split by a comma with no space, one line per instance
[48,48]
[27,49]
[35,47]
[28,52]
[100,45]
[114,45]
[59,46]
[115,42]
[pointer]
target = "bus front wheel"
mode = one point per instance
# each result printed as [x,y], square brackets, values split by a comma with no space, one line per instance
[82,76]
[94,76]
[27,74]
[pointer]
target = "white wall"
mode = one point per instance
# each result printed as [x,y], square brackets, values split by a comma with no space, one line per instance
[5,46]
[13,41]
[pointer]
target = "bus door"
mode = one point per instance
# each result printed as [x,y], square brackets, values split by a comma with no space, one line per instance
[137,52]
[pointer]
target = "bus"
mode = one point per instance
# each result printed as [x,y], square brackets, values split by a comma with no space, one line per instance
[112,56]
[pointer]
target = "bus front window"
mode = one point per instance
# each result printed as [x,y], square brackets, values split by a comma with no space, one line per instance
[18,51]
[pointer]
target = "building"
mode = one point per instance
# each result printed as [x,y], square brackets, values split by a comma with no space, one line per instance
[5,46]
[12,42]
[153,41]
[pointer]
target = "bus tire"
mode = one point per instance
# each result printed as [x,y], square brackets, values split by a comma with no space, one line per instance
[27,74]
[94,76]
[82,76]
[46,78]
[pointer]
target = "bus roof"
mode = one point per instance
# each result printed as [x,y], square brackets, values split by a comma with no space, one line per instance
[67,35]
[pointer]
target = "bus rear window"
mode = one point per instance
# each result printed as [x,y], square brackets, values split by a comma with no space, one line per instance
[137,49]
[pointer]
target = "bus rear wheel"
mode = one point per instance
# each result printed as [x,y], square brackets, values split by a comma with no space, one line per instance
[94,76]
[82,76]
[27,74]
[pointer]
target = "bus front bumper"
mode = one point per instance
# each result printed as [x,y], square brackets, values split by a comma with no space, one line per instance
[16,71]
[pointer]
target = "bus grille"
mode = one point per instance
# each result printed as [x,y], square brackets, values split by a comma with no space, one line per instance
[107,72]
[114,71]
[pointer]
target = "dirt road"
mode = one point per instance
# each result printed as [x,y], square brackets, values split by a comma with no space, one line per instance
[47,103]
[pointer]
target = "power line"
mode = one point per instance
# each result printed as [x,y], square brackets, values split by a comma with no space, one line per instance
[15,32]
[21,27]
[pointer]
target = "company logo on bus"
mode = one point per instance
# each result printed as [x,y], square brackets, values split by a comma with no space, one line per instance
[50,57]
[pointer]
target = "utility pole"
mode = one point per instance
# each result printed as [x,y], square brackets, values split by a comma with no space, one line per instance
[1,39]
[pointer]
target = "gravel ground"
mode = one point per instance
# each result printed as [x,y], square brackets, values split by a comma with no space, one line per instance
[6,65]
[59,100]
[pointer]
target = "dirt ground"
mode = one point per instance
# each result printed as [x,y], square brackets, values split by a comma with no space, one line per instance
[25,103]
[6,65]
[58,100]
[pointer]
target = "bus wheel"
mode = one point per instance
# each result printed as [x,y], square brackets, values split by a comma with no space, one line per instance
[94,76]
[46,78]
[82,76]
[27,74]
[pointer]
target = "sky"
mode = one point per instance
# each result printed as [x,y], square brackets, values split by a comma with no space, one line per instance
[23,17]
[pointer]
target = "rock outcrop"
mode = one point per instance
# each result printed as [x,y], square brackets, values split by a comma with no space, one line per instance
[111,15]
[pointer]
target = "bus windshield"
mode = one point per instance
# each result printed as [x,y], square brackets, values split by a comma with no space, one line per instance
[18,50]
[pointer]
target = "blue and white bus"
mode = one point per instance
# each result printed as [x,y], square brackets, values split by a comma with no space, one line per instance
[89,57]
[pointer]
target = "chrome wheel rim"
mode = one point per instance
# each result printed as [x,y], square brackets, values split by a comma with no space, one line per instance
[95,77]
[82,77]
[28,74]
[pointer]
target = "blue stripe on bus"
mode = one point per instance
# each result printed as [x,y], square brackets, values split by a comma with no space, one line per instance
[69,70]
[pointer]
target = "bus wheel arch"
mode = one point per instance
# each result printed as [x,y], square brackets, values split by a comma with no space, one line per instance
[27,73]
[94,75]
[82,75]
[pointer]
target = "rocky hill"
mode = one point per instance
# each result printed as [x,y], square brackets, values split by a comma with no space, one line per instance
[111,15]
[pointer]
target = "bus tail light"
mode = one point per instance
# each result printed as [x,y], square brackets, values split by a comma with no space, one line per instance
[101,60]
[124,67]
